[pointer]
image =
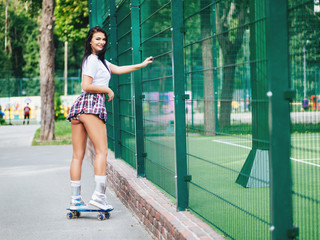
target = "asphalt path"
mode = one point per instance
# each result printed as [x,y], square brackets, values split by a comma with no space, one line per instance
[35,192]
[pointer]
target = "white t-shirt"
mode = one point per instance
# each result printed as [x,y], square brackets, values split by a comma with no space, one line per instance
[94,68]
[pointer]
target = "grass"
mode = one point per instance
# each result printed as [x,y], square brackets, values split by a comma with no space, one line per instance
[62,133]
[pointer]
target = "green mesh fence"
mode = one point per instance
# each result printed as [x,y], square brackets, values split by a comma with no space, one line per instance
[110,116]
[19,87]
[156,41]
[229,149]
[227,138]
[304,30]
[126,87]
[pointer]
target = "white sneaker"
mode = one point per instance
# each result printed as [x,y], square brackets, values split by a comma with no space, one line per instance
[77,203]
[99,200]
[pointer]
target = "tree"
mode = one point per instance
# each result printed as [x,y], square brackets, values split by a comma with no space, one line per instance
[19,54]
[3,48]
[207,62]
[47,54]
[72,20]
[304,47]
[71,26]
[32,51]
[230,19]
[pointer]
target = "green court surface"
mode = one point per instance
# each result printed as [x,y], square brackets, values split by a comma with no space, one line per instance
[305,156]
[214,162]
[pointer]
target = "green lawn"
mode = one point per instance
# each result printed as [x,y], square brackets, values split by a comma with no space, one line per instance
[62,134]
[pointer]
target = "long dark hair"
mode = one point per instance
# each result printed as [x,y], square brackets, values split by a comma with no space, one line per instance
[88,49]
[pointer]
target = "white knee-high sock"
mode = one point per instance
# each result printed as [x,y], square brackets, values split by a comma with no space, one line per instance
[75,188]
[100,184]
[75,183]
[100,179]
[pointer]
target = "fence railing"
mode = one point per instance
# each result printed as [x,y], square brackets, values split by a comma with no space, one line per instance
[18,87]
[16,93]
[226,119]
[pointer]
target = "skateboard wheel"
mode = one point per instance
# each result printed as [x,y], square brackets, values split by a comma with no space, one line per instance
[70,215]
[100,217]
[107,215]
[75,214]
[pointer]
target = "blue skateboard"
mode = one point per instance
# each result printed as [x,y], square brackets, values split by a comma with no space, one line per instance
[103,214]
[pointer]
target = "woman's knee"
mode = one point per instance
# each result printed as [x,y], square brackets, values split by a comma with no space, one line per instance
[78,157]
[102,152]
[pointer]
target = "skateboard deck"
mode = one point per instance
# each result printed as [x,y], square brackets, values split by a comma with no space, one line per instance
[103,214]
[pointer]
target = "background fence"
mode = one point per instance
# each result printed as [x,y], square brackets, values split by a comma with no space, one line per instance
[226,120]
[304,45]
[17,87]
[15,93]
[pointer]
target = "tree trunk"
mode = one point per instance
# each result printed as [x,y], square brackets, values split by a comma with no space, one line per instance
[225,11]
[47,54]
[207,63]
[227,90]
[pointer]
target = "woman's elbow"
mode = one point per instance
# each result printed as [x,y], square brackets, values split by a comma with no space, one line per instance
[85,87]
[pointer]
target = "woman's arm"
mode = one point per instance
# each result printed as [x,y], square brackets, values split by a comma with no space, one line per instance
[90,88]
[130,68]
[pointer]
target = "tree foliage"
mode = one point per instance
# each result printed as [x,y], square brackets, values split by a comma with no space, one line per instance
[72,23]
[21,58]
[3,56]
[72,20]
[22,54]
[304,30]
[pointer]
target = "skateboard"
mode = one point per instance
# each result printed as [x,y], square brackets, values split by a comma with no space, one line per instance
[103,214]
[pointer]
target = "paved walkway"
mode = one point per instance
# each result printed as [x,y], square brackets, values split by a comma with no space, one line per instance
[35,192]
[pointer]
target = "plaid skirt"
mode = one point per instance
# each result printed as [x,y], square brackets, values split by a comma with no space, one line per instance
[92,103]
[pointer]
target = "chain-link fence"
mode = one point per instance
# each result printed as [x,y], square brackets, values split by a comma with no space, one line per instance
[209,120]
[304,45]
[16,93]
[19,87]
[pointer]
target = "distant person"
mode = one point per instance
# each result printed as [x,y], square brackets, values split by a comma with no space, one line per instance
[26,110]
[1,113]
[88,117]
[1,116]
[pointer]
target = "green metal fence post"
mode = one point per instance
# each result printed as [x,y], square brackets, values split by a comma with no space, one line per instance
[115,80]
[215,74]
[136,77]
[9,95]
[92,13]
[255,171]
[279,119]
[179,96]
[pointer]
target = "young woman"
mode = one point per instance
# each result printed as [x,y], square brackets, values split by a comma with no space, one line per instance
[88,116]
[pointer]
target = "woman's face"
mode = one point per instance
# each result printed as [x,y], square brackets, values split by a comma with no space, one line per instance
[98,42]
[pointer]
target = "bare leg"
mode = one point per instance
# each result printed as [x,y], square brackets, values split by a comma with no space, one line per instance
[79,142]
[96,130]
